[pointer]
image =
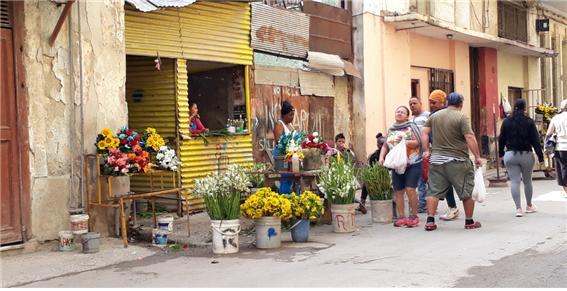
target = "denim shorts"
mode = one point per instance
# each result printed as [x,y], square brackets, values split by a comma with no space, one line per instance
[409,178]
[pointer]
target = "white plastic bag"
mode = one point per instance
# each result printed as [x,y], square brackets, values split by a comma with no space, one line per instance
[479,191]
[397,158]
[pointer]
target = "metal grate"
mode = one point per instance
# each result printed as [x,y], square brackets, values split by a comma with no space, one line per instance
[5,14]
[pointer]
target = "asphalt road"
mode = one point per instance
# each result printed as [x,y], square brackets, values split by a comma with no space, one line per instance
[506,252]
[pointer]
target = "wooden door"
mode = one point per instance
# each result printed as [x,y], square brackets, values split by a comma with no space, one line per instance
[10,195]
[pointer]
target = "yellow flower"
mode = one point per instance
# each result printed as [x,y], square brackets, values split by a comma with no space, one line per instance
[102,145]
[108,140]
[151,130]
[106,132]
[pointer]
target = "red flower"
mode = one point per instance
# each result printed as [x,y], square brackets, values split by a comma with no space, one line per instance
[123,141]
[129,132]
[311,144]
[311,138]
[304,144]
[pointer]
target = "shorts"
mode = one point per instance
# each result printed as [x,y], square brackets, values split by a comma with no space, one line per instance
[456,174]
[561,167]
[409,178]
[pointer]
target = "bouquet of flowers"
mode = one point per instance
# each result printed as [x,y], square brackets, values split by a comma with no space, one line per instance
[152,140]
[293,149]
[315,142]
[547,111]
[167,159]
[266,202]
[338,181]
[306,205]
[257,180]
[106,141]
[285,140]
[221,192]
[129,140]
[117,163]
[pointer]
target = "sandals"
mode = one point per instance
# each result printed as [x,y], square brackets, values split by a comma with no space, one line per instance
[474,225]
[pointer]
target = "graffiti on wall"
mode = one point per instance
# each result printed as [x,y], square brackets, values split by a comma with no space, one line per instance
[312,113]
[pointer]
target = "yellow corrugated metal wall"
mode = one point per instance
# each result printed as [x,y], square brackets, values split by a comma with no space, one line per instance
[206,31]
[155,109]
[199,159]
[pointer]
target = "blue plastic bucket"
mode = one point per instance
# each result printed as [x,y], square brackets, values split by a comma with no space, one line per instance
[300,231]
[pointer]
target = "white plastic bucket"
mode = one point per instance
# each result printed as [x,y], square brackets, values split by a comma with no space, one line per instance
[382,211]
[66,241]
[343,217]
[80,223]
[268,232]
[159,237]
[165,222]
[225,236]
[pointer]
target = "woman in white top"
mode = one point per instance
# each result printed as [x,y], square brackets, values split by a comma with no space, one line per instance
[284,125]
[558,126]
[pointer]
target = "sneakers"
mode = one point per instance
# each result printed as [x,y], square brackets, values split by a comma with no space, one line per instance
[430,226]
[451,214]
[362,208]
[519,212]
[412,221]
[402,221]
[531,209]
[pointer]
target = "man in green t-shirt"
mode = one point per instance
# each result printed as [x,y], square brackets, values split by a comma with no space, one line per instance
[450,165]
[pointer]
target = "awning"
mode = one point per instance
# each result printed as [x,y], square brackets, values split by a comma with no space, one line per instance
[433,27]
[151,5]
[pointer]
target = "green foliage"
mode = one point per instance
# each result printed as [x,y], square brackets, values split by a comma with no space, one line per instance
[377,181]
[338,181]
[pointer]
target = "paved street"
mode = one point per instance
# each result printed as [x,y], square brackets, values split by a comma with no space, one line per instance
[507,252]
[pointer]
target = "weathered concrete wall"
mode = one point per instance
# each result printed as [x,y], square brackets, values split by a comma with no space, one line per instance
[342,113]
[511,72]
[52,87]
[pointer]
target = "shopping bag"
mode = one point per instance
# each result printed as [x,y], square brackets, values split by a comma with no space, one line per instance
[397,158]
[479,191]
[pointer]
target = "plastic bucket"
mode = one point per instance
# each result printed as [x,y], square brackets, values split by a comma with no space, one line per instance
[225,236]
[343,217]
[66,241]
[90,242]
[300,231]
[268,232]
[79,223]
[381,210]
[159,237]
[280,163]
[165,222]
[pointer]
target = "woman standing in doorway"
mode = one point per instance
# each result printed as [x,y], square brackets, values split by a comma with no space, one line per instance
[519,135]
[406,182]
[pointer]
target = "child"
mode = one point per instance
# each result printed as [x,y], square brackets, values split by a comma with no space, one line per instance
[340,146]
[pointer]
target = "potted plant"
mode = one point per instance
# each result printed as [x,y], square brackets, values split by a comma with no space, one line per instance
[221,193]
[305,207]
[267,208]
[337,181]
[283,148]
[313,149]
[377,181]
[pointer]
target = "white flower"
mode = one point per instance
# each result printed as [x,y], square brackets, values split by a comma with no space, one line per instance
[315,134]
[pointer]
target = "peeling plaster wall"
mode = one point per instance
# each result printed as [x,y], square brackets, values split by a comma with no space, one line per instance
[52,89]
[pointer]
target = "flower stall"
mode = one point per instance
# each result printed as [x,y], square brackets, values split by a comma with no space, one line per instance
[129,153]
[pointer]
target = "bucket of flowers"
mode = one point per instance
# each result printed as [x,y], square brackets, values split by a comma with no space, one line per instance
[268,209]
[305,207]
[221,193]
[313,149]
[338,182]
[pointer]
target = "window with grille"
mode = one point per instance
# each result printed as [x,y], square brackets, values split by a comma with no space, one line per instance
[441,79]
[512,21]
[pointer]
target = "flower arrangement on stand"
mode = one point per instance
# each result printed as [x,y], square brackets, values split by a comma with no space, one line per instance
[221,193]
[106,141]
[152,140]
[288,145]
[338,182]
[546,112]
[314,148]
[117,163]
[166,159]
[305,208]
[268,209]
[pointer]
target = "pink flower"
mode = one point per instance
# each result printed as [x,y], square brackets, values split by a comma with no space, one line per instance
[124,171]
[116,169]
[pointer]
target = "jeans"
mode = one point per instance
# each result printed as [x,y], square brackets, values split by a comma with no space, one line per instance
[422,193]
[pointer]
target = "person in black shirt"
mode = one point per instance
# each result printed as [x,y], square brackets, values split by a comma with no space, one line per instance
[374,157]
[519,135]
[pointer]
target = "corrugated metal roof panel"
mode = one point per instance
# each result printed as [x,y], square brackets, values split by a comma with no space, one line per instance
[207,31]
[151,5]
[271,31]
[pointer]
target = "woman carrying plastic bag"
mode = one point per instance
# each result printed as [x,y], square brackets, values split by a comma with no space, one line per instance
[402,153]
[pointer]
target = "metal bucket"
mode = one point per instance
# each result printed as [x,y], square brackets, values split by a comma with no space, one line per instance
[280,163]
[268,232]
[343,217]
[300,231]
[90,242]
[225,236]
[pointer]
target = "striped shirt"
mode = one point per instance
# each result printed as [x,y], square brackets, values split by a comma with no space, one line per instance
[437,159]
